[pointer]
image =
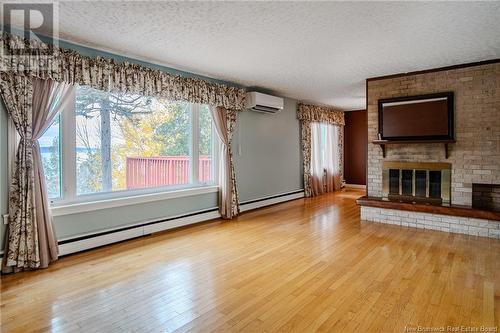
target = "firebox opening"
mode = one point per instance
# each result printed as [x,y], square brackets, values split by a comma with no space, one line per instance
[418,182]
[486,196]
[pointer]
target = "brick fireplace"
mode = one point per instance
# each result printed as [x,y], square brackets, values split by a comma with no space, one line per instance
[473,159]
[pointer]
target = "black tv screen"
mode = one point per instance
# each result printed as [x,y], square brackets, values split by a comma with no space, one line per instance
[423,117]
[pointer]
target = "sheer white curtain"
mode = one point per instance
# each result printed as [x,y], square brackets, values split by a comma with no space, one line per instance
[325,158]
[317,167]
[332,157]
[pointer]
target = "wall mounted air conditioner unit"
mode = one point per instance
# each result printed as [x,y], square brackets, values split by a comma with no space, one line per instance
[264,103]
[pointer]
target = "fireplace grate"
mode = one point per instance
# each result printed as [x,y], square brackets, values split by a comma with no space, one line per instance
[419,182]
[407,182]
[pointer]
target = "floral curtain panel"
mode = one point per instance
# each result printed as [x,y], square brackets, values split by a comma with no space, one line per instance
[22,240]
[32,104]
[308,114]
[47,62]
[225,122]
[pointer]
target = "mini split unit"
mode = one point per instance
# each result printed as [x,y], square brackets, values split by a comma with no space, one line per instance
[264,103]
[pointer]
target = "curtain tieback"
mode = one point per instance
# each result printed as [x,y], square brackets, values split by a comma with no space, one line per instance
[29,142]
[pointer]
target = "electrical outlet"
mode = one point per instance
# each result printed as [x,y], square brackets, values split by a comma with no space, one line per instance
[5,218]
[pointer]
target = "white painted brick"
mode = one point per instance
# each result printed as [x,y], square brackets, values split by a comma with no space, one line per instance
[478,222]
[432,218]
[472,222]
[459,227]
[463,221]
[444,223]
[494,224]
[451,219]
[478,231]
[484,223]
[494,233]
[460,230]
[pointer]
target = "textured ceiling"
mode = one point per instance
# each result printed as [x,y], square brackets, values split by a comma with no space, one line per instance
[314,51]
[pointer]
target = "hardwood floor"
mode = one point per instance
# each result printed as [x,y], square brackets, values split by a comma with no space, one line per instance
[305,265]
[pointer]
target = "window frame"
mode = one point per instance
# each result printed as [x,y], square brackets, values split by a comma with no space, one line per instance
[83,202]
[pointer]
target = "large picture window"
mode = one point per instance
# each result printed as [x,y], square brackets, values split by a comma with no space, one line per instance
[115,144]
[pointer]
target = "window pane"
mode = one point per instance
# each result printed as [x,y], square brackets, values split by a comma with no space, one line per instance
[127,142]
[51,158]
[88,140]
[154,146]
[205,146]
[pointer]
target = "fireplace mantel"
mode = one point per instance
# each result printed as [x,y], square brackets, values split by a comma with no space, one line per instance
[383,143]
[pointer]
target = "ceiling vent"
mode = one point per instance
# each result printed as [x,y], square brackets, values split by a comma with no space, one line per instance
[264,103]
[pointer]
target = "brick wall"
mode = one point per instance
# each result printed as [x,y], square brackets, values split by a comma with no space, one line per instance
[475,157]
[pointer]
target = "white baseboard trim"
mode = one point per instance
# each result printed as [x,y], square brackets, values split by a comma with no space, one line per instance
[111,236]
[355,186]
[258,203]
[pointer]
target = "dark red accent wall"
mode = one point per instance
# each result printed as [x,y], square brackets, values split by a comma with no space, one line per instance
[355,147]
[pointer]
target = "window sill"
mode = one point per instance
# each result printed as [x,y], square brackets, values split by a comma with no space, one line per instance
[132,200]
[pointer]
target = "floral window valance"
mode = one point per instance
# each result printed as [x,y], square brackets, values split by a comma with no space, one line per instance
[313,113]
[45,61]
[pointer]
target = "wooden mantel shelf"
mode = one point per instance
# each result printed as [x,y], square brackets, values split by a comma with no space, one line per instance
[383,143]
[453,210]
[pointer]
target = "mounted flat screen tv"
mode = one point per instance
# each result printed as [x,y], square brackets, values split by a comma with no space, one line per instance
[416,118]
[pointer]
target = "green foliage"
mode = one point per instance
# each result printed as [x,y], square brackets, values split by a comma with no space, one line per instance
[143,126]
[89,172]
[51,167]
[93,103]
[139,127]
[205,138]
[174,131]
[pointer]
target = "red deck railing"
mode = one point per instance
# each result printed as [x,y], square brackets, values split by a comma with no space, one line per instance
[144,172]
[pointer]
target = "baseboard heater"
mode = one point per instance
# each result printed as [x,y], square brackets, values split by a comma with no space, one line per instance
[94,240]
[271,200]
